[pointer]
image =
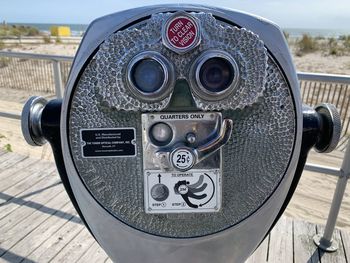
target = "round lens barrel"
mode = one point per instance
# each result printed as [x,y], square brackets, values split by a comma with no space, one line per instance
[216,74]
[148,75]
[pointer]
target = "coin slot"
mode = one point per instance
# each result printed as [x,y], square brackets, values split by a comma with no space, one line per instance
[160,134]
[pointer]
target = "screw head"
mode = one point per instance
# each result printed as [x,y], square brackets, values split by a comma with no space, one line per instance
[191,137]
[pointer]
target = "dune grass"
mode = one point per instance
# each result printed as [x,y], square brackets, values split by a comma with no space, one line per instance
[18,31]
[47,39]
[306,44]
[327,46]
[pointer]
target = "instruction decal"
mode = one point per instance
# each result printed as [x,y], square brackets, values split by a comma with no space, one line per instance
[193,191]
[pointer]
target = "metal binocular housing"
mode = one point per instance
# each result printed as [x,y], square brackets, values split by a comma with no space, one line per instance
[181,135]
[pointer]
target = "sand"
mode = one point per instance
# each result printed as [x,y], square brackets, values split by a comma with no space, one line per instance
[49,49]
[313,196]
[320,63]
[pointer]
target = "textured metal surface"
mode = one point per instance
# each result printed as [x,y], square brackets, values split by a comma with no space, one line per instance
[115,53]
[254,162]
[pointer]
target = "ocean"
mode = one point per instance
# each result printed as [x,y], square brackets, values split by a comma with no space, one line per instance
[79,29]
[298,32]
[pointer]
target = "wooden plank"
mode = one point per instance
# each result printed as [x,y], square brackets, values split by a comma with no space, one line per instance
[36,167]
[15,158]
[345,236]
[29,177]
[30,198]
[260,254]
[35,233]
[304,247]
[5,156]
[13,175]
[76,248]
[34,239]
[336,257]
[4,175]
[15,217]
[30,180]
[281,242]
[311,204]
[94,254]
[51,247]
[333,159]
[11,129]
[11,236]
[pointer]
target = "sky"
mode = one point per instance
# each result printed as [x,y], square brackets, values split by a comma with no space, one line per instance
[325,14]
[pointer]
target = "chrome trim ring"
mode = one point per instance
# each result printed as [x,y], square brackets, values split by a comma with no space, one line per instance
[169,76]
[196,84]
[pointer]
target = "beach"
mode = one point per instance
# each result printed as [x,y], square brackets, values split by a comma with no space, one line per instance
[314,193]
[49,49]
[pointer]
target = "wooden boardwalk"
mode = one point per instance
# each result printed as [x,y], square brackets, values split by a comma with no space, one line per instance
[39,224]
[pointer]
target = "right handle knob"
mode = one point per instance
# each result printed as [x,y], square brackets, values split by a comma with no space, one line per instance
[330,128]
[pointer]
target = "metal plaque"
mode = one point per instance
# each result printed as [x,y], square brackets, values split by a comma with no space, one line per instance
[102,143]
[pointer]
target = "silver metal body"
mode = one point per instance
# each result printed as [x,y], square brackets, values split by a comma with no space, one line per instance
[126,244]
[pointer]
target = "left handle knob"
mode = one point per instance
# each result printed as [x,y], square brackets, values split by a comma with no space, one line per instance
[31,121]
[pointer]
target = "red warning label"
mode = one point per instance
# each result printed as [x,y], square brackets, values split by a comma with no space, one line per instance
[181,32]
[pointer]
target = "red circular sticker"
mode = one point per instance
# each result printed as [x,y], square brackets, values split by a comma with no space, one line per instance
[181,32]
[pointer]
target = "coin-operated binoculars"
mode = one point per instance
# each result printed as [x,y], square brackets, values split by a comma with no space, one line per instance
[181,135]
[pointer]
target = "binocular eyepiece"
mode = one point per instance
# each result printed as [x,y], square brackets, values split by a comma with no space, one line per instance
[181,135]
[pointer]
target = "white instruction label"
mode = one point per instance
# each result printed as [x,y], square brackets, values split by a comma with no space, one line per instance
[194,191]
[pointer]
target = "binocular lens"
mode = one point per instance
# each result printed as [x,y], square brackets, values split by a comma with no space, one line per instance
[148,75]
[216,74]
